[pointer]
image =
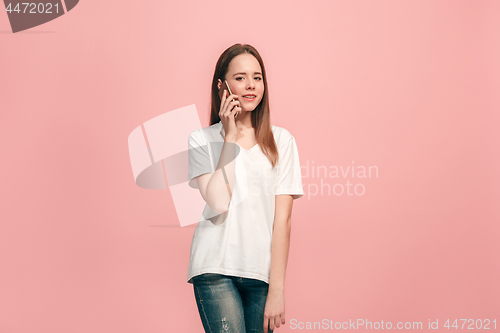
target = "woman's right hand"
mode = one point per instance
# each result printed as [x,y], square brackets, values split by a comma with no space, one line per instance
[228,109]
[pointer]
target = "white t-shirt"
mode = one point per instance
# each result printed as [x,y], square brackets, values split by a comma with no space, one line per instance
[238,242]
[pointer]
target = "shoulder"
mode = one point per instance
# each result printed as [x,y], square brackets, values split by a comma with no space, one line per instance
[196,137]
[201,134]
[281,135]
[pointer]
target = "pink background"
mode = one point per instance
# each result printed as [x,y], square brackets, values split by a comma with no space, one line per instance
[408,86]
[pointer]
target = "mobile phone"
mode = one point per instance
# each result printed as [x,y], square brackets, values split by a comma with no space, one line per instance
[225,86]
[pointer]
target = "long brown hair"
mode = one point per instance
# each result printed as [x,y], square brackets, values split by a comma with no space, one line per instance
[260,116]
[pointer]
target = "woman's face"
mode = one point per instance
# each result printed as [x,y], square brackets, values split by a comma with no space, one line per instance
[244,77]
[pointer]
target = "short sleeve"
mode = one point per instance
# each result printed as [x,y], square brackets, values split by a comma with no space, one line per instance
[289,177]
[199,161]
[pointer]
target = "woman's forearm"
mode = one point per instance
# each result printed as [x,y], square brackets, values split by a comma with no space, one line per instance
[221,184]
[279,255]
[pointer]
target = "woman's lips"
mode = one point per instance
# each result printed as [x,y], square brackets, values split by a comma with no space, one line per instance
[249,98]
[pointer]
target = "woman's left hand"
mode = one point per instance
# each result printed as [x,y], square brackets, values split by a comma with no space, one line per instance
[274,312]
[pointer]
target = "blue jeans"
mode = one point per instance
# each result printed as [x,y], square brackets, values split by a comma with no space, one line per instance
[230,304]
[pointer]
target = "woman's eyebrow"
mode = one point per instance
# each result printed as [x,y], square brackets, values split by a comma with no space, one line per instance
[245,73]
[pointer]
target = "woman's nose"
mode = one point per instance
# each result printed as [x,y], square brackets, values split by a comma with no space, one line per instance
[251,84]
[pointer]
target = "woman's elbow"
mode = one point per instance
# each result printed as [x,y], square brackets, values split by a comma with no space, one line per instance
[218,209]
[217,206]
[217,202]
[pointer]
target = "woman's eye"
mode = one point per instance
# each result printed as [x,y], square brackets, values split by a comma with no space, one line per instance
[258,78]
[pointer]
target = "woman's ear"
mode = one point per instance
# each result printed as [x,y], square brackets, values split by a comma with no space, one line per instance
[219,83]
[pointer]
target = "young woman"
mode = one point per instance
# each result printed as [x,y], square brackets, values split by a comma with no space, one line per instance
[248,172]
